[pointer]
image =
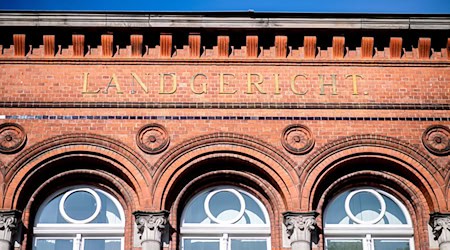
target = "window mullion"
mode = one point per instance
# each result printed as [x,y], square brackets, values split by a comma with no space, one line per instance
[77,242]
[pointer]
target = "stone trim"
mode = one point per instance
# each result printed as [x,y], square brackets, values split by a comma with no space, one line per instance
[236,20]
[226,105]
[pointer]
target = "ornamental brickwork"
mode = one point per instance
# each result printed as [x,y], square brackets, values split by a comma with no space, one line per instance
[292,114]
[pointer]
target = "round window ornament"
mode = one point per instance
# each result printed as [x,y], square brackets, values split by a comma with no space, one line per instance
[152,138]
[91,217]
[377,195]
[436,139]
[12,138]
[232,220]
[297,139]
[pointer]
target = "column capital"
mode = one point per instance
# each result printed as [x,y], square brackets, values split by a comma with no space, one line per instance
[150,227]
[9,223]
[299,228]
[440,222]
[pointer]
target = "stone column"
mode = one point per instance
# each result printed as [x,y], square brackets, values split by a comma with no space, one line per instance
[299,228]
[150,228]
[9,223]
[440,223]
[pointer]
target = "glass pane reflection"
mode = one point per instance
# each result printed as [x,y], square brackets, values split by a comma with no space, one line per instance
[102,244]
[201,244]
[248,244]
[391,244]
[53,244]
[344,245]
[80,205]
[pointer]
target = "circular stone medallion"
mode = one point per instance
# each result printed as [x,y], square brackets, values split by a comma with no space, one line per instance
[297,139]
[12,137]
[152,138]
[436,139]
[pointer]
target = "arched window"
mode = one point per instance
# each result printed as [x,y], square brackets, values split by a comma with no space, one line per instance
[225,218]
[80,217]
[367,219]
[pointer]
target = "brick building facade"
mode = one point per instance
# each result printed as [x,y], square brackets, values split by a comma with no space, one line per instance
[224,131]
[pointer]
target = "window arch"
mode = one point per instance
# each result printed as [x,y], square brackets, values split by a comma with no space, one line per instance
[79,217]
[367,219]
[225,218]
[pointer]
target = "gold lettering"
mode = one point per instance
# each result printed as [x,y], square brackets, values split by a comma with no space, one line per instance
[257,84]
[223,83]
[294,90]
[115,85]
[322,84]
[174,83]
[203,91]
[136,77]
[86,83]
[354,80]
[277,84]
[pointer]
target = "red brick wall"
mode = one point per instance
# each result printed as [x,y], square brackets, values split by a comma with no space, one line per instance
[384,125]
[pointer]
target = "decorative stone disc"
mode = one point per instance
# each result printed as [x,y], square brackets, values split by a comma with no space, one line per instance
[436,139]
[12,138]
[152,138]
[297,139]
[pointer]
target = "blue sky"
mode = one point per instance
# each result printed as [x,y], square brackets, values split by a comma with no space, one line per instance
[296,6]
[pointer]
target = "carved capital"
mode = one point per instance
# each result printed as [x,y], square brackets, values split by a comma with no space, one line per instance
[299,221]
[151,224]
[9,223]
[440,223]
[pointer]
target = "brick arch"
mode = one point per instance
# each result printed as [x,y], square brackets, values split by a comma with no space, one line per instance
[392,155]
[108,182]
[259,157]
[399,187]
[45,157]
[252,183]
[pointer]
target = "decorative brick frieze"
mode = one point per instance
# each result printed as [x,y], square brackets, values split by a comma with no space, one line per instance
[19,44]
[49,45]
[424,47]
[136,45]
[448,48]
[165,43]
[367,47]
[281,46]
[252,46]
[309,44]
[107,45]
[78,45]
[194,45]
[338,46]
[223,45]
[395,47]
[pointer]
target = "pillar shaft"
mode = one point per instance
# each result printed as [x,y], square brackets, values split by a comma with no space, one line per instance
[150,228]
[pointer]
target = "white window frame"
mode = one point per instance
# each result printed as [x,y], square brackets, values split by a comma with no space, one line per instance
[226,232]
[370,232]
[78,232]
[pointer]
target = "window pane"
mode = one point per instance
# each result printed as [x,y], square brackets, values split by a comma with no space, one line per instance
[195,212]
[344,245]
[224,205]
[248,244]
[102,244]
[365,206]
[53,244]
[201,244]
[80,205]
[391,244]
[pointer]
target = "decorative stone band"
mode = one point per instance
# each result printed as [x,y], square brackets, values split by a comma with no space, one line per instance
[9,223]
[440,222]
[150,225]
[299,228]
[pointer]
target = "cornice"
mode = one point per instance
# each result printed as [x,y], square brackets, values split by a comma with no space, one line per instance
[223,21]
